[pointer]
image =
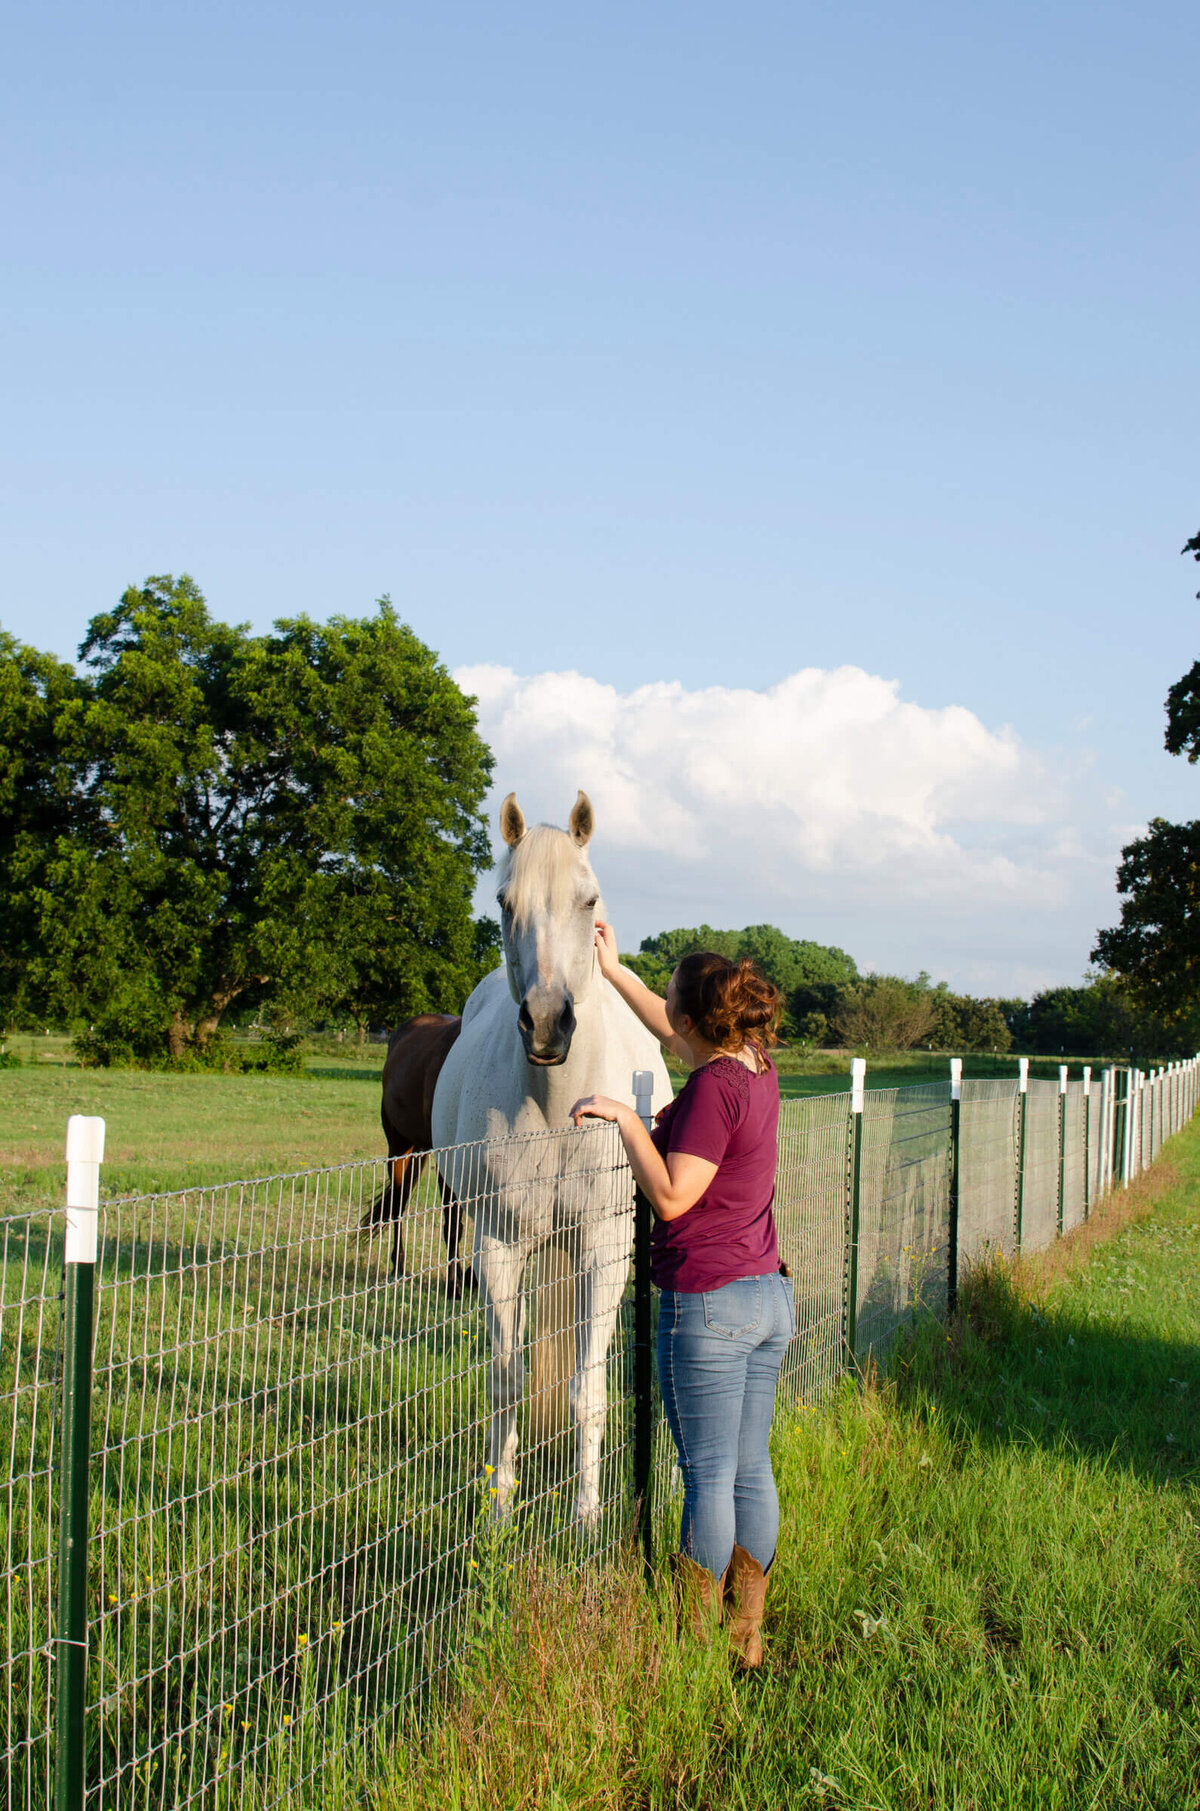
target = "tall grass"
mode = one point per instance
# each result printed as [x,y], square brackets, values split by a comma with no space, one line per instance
[987,1593]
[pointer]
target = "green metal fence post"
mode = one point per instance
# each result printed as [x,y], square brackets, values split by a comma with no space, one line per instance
[1062,1143]
[1087,1141]
[952,1235]
[85,1154]
[643,1341]
[1122,1127]
[858,1072]
[1022,1103]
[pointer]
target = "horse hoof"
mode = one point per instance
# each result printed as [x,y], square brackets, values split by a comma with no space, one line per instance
[587,1518]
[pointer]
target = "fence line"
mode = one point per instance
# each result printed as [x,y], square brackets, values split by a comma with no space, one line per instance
[287,1470]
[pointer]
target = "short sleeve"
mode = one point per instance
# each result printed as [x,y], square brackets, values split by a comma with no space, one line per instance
[706,1116]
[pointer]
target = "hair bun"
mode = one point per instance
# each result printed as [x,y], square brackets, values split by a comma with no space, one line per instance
[729,1002]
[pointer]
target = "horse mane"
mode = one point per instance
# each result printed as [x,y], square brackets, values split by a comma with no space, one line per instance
[542,871]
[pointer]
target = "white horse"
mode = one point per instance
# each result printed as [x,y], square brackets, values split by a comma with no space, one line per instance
[535,1037]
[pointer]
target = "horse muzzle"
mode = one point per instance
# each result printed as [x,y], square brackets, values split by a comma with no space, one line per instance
[546,1036]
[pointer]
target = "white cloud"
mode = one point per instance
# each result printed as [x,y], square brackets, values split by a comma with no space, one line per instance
[824,800]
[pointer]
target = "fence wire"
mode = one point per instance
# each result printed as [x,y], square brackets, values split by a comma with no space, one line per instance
[315,1483]
[30,1246]
[904,1213]
[810,1218]
[1074,1164]
[1039,1203]
[297,1477]
[987,1186]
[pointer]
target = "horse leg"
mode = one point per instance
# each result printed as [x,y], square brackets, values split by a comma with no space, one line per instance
[602,1269]
[458,1274]
[405,1170]
[500,1269]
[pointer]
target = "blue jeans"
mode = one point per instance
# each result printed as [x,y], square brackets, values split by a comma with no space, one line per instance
[719,1355]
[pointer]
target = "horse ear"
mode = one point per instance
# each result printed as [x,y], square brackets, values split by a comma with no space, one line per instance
[512,820]
[582,820]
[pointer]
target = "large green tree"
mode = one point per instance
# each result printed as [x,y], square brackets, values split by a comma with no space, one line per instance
[38,804]
[965,1023]
[1183,699]
[1155,950]
[887,1012]
[290,818]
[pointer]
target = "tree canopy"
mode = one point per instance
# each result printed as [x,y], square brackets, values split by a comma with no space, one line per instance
[1156,947]
[1183,700]
[1155,950]
[810,976]
[212,817]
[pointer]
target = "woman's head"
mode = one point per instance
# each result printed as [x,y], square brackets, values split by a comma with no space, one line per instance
[729,1003]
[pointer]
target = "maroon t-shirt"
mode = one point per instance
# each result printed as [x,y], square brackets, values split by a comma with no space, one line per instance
[729,1117]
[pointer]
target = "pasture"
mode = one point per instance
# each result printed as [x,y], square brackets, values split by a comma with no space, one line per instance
[169,1132]
[990,1581]
[988,1590]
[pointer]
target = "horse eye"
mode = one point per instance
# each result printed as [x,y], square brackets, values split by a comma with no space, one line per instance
[589,905]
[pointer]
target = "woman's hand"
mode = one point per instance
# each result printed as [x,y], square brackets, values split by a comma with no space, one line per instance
[596,1106]
[606,950]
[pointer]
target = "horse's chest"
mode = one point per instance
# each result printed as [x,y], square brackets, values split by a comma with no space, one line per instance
[536,1183]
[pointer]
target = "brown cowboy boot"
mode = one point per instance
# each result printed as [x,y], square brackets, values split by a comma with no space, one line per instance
[745,1596]
[698,1595]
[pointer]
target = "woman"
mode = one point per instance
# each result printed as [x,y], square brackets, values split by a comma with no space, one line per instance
[726,1315]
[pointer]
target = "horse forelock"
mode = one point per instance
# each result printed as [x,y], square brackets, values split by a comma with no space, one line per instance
[542,873]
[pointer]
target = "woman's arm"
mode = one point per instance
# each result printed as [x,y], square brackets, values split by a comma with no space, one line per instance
[649,1008]
[672,1188]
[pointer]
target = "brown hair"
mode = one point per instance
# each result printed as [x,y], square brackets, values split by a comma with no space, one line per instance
[730,1003]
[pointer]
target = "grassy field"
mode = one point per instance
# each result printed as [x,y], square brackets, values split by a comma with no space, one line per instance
[987,1594]
[179,1131]
[987,1588]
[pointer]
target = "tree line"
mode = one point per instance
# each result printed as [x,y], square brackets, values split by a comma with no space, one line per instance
[201,826]
[827,1002]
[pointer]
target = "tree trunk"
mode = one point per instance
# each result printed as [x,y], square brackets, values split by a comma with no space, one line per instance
[221,997]
[178,1036]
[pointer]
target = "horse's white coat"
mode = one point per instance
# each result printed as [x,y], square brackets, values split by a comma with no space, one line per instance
[573,1189]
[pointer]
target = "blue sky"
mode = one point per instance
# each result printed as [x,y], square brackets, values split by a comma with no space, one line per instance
[669,345]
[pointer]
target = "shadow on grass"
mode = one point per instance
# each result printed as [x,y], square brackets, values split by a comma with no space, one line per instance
[1013,1368]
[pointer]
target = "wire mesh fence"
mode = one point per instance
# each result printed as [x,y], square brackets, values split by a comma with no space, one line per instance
[31,1247]
[988,1167]
[314,1485]
[903,1210]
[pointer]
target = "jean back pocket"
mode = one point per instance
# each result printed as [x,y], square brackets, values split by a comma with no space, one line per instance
[734,1309]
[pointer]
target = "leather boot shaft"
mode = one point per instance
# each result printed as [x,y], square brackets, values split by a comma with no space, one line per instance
[745,1603]
[699,1596]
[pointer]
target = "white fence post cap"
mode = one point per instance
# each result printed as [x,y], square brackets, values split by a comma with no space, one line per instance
[85,1139]
[1062,1078]
[1023,1074]
[858,1083]
[956,1078]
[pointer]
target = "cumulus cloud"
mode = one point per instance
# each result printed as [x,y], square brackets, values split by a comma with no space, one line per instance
[824,799]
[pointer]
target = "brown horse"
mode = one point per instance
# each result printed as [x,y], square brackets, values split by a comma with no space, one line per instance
[416,1051]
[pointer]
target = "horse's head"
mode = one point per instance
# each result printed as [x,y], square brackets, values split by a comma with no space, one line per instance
[548,897]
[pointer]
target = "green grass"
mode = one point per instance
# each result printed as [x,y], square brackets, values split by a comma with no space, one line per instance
[177,1131]
[987,1593]
[988,1587]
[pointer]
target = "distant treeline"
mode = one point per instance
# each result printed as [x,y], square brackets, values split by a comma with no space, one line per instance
[828,1002]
